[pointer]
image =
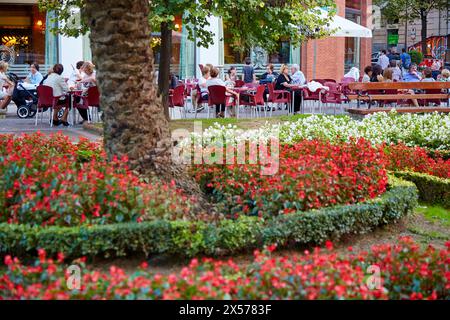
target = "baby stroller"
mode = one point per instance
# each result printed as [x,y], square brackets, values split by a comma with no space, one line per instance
[25,99]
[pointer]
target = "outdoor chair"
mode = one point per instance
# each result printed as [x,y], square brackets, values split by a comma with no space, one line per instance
[313,97]
[254,101]
[177,99]
[333,95]
[239,84]
[279,96]
[217,95]
[46,100]
[91,102]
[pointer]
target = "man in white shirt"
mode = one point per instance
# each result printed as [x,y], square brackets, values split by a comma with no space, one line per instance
[383,60]
[297,76]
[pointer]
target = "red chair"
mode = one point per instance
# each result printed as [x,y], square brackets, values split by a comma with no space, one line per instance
[254,100]
[218,95]
[279,96]
[46,100]
[239,84]
[90,101]
[177,99]
[333,95]
[314,97]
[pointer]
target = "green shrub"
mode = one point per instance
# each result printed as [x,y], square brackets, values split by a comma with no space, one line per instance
[432,189]
[416,56]
[186,238]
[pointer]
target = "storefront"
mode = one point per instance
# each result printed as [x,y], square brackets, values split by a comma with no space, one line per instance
[26,37]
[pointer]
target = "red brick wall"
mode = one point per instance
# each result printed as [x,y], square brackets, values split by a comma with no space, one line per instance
[330,51]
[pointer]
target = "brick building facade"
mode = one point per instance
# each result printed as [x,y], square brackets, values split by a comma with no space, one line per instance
[332,57]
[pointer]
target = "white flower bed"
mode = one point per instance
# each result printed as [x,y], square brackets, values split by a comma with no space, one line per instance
[430,130]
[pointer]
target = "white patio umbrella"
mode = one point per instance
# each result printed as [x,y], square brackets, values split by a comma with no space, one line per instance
[341,27]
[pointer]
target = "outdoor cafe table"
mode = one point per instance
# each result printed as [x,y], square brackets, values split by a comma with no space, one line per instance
[293,90]
[74,93]
[244,89]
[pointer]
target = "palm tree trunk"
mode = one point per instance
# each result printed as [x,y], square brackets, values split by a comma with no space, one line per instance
[134,122]
[164,66]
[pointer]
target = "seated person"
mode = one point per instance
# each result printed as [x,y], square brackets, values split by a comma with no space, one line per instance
[412,75]
[173,80]
[60,89]
[428,75]
[6,86]
[367,74]
[34,77]
[269,76]
[388,76]
[88,79]
[231,77]
[444,76]
[216,81]
[284,82]
[298,77]
[396,72]
[377,70]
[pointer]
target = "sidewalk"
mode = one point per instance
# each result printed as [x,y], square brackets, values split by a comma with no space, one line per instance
[13,125]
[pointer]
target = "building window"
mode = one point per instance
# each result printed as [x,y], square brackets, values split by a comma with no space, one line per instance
[22,29]
[282,54]
[231,54]
[352,45]
[353,4]
[392,38]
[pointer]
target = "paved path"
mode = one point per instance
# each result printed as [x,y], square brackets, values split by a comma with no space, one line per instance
[13,125]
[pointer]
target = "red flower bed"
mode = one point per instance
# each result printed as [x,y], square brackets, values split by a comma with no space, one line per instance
[51,181]
[312,174]
[405,272]
[404,158]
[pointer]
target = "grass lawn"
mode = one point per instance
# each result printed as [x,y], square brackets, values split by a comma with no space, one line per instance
[242,123]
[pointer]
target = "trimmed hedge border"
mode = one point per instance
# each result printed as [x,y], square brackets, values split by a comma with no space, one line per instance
[432,189]
[195,238]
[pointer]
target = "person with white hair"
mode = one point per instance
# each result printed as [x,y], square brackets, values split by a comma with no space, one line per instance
[298,78]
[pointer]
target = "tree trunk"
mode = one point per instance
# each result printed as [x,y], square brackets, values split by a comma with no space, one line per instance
[134,122]
[423,19]
[164,66]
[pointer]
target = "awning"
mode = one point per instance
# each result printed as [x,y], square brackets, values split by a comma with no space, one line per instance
[346,28]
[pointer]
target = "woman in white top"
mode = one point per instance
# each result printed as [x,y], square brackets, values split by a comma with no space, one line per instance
[60,89]
[88,80]
[5,95]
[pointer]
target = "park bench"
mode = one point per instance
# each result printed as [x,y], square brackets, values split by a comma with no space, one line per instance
[435,92]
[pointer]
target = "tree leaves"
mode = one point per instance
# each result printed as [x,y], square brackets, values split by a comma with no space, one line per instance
[249,22]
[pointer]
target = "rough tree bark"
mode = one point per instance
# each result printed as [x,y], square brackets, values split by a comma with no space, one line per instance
[135,124]
[164,66]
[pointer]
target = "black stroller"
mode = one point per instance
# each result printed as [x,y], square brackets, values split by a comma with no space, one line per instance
[25,99]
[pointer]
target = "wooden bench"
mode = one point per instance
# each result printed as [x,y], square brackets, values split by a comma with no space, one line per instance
[391,91]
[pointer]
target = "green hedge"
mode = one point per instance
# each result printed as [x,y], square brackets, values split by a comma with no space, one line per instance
[432,189]
[228,236]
